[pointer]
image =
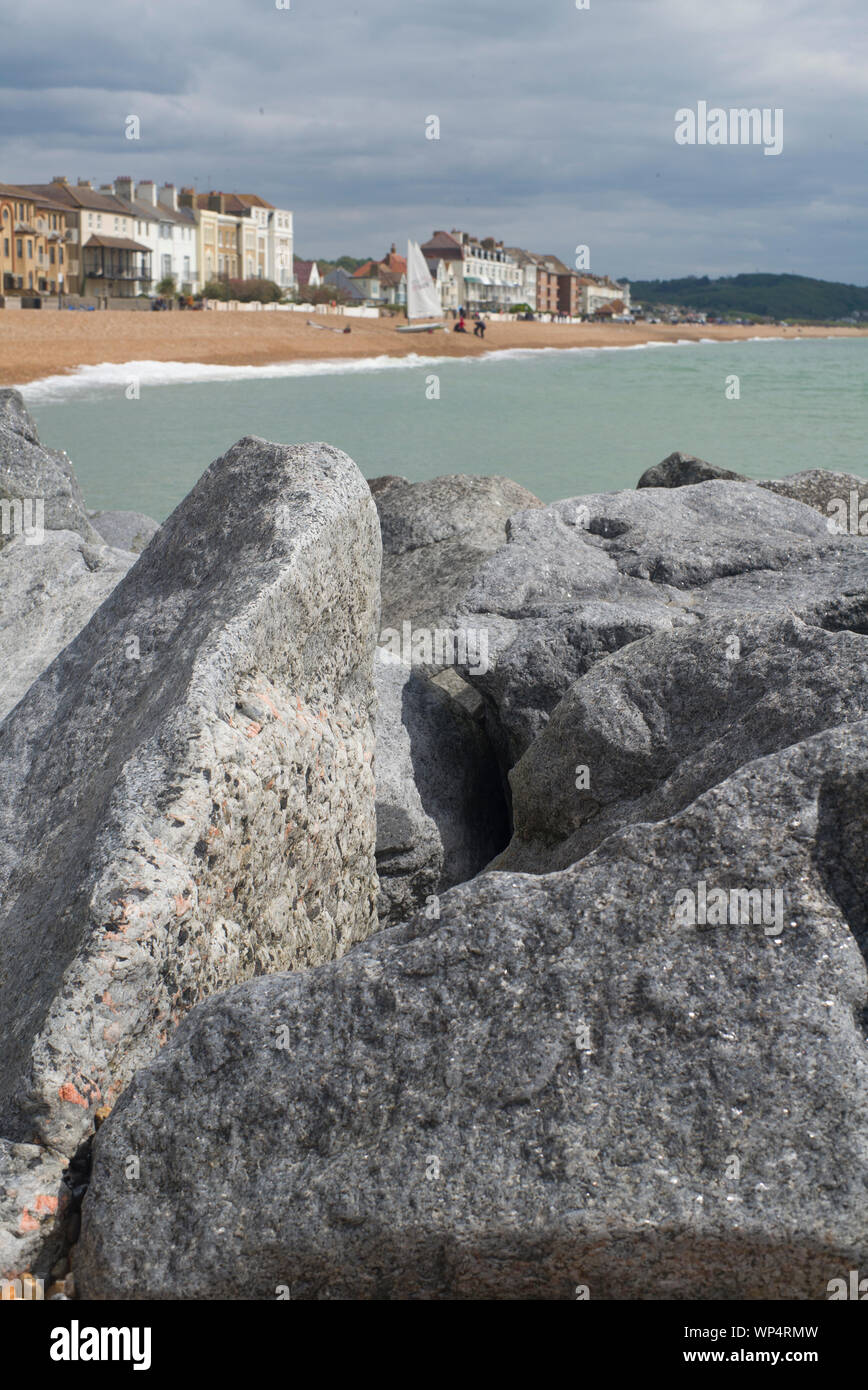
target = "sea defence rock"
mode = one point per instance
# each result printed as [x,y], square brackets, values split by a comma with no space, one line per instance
[186,795]
[828,492]
[435,534]
[441,810]
[582,578]
[125,530]
[681,470]
[652,727]
[824,489]
[38,489]
[586,1082]
[48,592]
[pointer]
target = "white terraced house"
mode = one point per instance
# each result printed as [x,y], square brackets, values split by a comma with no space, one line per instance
[169,231]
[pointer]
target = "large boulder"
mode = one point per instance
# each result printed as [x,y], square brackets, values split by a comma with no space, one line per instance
[567,1082]
[824,489]
[186,794]
[651,727]
[828,492]
[38,489]
[125,530]
[48,592]
[435,534]
[441,809]
[582,578]
[681,470]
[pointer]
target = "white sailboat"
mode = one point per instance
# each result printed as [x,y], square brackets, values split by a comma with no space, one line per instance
[423,297]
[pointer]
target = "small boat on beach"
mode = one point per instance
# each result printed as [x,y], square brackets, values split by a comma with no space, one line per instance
[423,298]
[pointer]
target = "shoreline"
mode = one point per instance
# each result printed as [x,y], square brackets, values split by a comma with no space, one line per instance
[35,347]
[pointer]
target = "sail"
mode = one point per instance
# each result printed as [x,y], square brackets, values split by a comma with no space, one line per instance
[423,298]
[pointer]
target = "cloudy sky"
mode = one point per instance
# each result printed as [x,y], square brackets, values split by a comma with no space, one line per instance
[556,124]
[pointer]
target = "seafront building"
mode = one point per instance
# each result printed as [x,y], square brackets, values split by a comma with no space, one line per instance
[385,281]
[485,274]
[123,239]
[242,237]
[38,243]
[601,297]
[110,260]
[168,231]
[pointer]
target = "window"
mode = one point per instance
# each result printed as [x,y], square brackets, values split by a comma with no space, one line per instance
[6,246]
[51,255]
[167,265]
[30,255]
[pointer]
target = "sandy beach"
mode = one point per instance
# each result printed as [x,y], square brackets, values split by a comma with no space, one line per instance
[45,343]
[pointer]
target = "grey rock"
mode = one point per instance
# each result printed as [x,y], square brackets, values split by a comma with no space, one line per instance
[435,534]
[48,593]
[156,843]
[544,1089]
[682,470]
[15,417]
[125,530]
[582,578]
[650,728]
[826,491]
[441,809]
[30,1198]
[38,488]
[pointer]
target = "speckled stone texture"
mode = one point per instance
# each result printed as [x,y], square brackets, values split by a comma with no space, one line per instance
[47,594]
[582,578]
[30,472]
[662,720]
[556,1084]
[186,794]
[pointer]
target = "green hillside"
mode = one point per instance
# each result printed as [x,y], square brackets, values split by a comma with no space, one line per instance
[771,296]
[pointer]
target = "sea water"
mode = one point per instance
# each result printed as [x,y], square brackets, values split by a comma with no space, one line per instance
[561,421]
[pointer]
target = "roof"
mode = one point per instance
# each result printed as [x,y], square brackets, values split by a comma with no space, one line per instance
[253,200]
[303,270]
[445,245]
[78,197]
[391,277]
[392,261]
[116,243]
[341,279]
[11,190]
[370,270]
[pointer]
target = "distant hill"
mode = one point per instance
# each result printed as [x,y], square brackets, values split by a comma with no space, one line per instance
[772,296]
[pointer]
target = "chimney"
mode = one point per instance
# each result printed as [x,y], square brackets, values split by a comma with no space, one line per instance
[187,198]
[146,192]
[84,183]
[60,178]
[123,187]
[107,188]
[217,202]
[168,196]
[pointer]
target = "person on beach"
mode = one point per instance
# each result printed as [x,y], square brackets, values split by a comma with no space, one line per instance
[459,327]
[479,327]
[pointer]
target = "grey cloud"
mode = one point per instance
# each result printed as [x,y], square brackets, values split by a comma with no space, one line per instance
[553,120]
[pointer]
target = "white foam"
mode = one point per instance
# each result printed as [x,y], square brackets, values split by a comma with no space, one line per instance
[115,377]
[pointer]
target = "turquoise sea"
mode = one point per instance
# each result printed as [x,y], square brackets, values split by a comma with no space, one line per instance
[560,421]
